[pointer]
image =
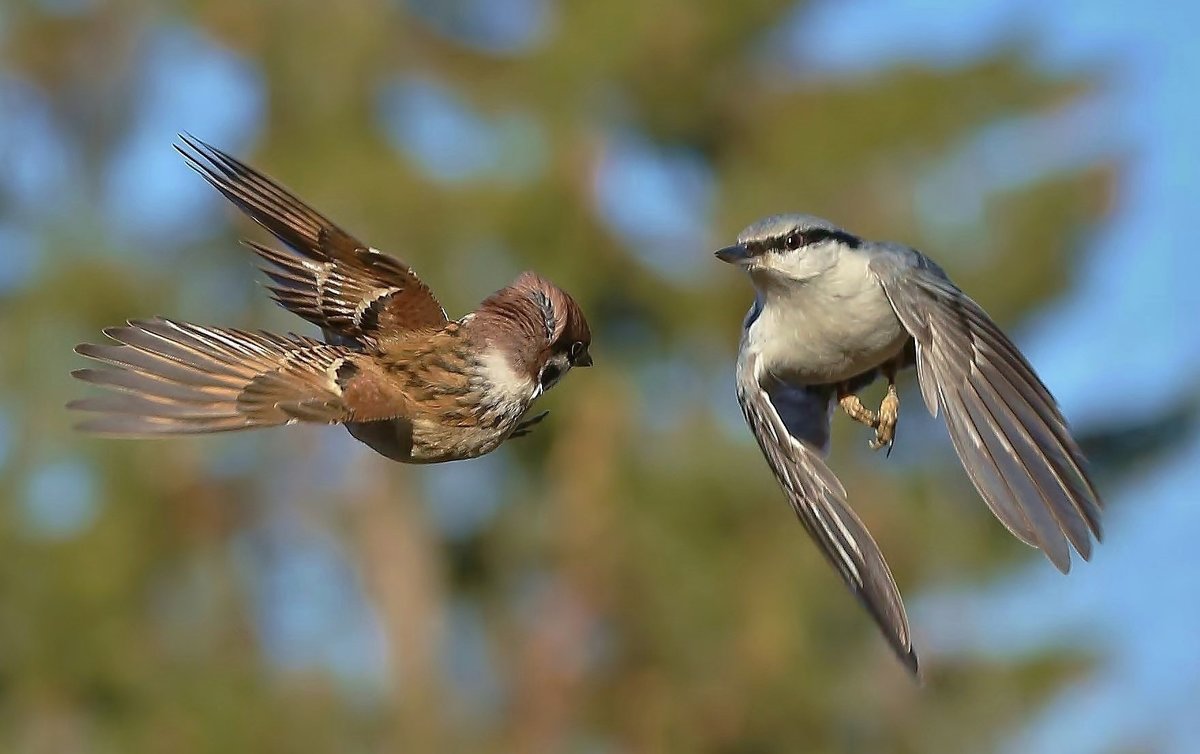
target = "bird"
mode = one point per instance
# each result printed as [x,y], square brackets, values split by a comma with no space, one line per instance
[833,313]
[404,379]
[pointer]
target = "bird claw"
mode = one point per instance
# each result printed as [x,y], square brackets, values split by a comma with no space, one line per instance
[853,407]
[888,416]
[526,426]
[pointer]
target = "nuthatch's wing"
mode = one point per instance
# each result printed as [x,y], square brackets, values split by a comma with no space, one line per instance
[1005,426]
[791,425]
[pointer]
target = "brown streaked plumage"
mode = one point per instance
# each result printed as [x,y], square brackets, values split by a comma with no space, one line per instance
[405,380]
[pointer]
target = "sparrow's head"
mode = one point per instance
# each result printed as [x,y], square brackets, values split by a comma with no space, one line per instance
[541,328]
[786,248]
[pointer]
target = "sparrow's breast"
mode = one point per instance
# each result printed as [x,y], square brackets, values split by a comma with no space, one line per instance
[479,430]
[454,398]
[474,415]
[467,431]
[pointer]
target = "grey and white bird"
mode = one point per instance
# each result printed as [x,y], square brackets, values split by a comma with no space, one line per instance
[833,312]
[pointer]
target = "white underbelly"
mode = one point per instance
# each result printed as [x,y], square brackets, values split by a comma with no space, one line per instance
[818,342]
[822,359]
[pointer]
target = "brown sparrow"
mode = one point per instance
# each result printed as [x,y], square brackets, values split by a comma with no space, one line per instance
[405,380]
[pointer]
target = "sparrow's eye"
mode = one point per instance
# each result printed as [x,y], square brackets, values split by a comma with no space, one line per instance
[578,356]
[793,241]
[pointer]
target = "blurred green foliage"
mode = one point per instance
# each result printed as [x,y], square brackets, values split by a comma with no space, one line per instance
[642,585]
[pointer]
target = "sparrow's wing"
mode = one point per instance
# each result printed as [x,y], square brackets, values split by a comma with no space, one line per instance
[175,378]
[791,425]
[328,277]
[1006,427]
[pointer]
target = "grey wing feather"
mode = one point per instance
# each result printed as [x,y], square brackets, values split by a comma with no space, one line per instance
[1005,426]
[791,425]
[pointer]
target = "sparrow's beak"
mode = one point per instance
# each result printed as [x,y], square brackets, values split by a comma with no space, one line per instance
[739,253]
[584,361]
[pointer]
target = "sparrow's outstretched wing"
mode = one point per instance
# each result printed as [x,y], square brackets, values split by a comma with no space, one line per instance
[1006,427]
[791,425]
[328,277]
[174,378]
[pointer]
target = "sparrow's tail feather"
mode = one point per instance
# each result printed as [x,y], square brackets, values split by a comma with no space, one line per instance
[175,378]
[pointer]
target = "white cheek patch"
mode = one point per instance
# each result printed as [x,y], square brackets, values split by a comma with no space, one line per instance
[506,381]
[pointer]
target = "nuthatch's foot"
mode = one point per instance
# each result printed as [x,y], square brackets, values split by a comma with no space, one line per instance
[889,414]
[855,409]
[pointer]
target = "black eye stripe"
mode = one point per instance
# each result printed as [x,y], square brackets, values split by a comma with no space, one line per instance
[762,247]
[815,235]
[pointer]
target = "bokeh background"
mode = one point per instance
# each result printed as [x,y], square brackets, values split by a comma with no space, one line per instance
[629,578]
